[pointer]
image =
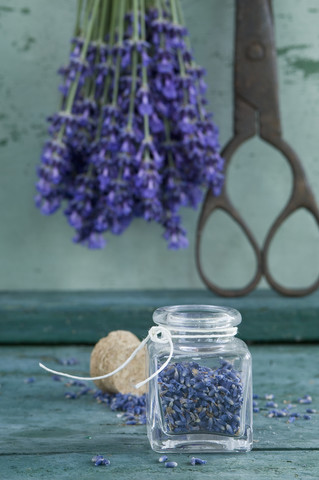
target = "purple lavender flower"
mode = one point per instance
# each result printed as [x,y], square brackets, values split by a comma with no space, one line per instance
[133,137]
[100,460]
[197,461]
[29,380]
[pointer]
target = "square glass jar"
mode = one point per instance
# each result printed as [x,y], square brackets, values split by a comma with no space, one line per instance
[202,399]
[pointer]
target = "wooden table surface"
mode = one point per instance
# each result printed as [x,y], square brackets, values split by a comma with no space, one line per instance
[47,436]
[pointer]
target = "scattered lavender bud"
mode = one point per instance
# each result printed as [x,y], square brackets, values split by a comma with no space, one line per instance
[256,409]
[271,405]
[75,383]
[255,404]
[84,391]
[56,378]
[68,361]
[29,380]
[70,395]
[130,422]
[100,460]
[294,414]
[277,413]
[171,464]
[311,410]
[291,419]
[198,461]
[269,396]
[163,458]
[255,396]
[305,399]
[307,417]
[133,406]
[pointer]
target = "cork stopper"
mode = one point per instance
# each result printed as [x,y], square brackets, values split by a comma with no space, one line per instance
[109,353]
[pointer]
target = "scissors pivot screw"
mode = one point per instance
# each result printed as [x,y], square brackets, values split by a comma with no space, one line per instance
[256,51]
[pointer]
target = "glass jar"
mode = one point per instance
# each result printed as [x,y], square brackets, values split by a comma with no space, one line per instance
[202,399]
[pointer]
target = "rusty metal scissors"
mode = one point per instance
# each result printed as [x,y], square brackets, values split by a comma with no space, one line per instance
[256,112]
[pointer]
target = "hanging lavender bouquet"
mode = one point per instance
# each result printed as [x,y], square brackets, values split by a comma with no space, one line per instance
[132,137]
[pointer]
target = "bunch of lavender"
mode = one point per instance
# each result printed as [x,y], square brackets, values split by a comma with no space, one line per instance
[132,137]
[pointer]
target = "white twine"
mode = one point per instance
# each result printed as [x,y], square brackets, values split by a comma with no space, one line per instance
[156,334]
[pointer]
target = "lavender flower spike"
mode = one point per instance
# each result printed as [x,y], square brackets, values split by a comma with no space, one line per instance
[133,137]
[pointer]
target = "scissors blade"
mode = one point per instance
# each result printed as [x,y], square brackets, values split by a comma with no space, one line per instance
[256,81]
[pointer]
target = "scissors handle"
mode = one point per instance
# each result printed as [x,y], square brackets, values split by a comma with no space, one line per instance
[256,102]
[301,197]
[223,202]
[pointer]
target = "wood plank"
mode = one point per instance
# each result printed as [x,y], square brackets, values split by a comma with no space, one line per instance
[84,317]
[142,464]
[39,420]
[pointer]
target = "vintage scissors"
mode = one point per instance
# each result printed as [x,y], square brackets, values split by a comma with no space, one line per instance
[256,112]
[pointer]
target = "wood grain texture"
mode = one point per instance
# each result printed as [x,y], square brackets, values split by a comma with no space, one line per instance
[143,464]
[44,435]
[84,317]
[36,418]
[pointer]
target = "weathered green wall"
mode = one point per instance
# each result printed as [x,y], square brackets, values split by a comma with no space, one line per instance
[36,251]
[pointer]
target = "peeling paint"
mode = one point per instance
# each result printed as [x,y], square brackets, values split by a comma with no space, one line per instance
[28,43]
[15,134]
[306,65]
[289,48]
[285,16]
[4,8]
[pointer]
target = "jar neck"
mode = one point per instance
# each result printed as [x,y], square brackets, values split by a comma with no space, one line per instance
[198,321]
[200,333]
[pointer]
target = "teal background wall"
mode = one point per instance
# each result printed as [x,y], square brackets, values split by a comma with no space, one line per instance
[36,252]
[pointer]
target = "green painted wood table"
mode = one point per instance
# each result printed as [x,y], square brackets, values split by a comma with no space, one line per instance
[46,435]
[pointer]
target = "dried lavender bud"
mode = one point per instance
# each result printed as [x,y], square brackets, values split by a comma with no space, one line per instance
[133,406]
[171,464]
[29,380]
[197,398]
[163,458]
[130,422]
[295,414]
[68,361]
[306,399]
[197,461]
[269,396]
[100,460]
[70,395]
[75,383]
[278,413]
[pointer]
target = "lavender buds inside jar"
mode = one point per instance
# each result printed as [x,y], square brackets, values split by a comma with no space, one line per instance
[201,400]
